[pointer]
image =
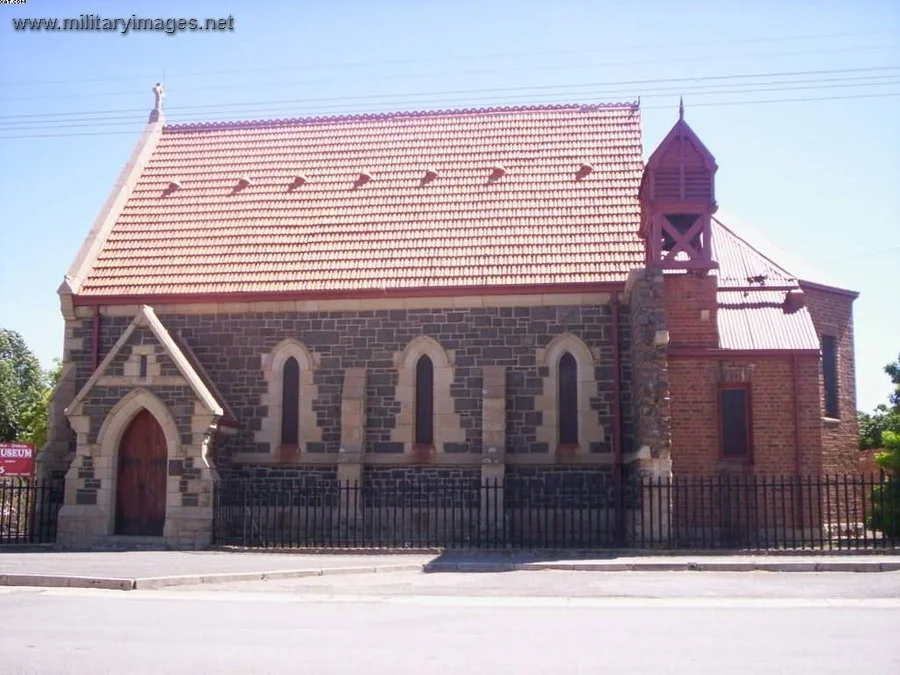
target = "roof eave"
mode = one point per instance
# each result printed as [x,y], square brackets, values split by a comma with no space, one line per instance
[722,353]
[853,295]
[363,294]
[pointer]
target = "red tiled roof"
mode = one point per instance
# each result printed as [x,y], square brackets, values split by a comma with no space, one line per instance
[537,224]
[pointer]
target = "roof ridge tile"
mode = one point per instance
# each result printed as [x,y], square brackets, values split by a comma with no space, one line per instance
[384,116]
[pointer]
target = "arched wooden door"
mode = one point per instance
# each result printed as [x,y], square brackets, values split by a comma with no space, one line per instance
[141,483]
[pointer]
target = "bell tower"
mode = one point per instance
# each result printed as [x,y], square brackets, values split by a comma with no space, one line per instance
[677,197]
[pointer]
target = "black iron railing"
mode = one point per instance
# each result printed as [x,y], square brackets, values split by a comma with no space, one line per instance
[733,513]
[28,510]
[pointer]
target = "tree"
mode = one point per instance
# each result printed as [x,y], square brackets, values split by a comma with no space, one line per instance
[36,419]
[889,460]
[884,418]
[883,431]
[25,390]
[885,515]
[893,371]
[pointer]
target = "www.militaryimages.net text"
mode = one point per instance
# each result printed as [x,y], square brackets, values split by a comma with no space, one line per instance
[124,26]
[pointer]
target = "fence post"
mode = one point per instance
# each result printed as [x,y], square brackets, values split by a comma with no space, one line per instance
[653,490]
[492,521]
[349,489]
[350,466]
[491,525]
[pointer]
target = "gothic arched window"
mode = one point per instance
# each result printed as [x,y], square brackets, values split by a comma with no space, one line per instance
[290,402]
[424,401]
[568,400]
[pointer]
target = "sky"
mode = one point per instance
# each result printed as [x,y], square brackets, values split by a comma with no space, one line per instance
[798,101]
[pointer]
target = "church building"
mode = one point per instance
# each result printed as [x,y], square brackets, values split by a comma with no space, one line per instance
[498,294]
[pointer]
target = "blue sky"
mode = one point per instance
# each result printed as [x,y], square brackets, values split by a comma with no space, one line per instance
[819,177]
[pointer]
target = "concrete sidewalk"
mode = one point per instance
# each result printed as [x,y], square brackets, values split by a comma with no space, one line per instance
[678,563]
[128,570]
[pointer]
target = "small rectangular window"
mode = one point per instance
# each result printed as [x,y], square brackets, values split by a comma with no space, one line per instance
[734,419]
[143,366]
[830,375]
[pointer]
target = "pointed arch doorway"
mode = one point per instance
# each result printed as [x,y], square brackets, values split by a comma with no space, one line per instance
[141,478]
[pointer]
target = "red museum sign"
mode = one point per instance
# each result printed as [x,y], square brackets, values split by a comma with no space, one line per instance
[16,459]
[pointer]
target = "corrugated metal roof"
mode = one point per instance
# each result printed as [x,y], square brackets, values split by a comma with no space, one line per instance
[759,320]
[789,262]
[740,264]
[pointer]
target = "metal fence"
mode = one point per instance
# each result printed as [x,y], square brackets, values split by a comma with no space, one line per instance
[28,510]
[848,512]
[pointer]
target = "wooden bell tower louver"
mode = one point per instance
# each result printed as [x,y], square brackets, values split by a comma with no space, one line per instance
[677,202]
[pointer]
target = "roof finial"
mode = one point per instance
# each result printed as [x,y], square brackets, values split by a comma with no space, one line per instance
[680,108]
[157,113]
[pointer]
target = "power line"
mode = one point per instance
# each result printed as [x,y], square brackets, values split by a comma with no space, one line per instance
[432,74]
[869,254]
[698,90]
[719,79]
[325,113]
[468,57]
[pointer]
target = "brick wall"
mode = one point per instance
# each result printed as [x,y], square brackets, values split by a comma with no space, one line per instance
[229,347]
[832,314]
[695,415]
[687,296]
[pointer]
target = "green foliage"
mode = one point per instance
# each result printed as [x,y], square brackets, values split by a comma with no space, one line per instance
[884,418]
[889,460]
[872,427]
[885,515]
[25,390]
[893,371]
[881,430]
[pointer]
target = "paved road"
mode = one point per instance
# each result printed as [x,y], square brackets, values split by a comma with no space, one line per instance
[520,622]
[822,585]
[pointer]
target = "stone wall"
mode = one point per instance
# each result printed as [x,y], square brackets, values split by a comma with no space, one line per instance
[649,373]
[230,345]
[419,486]
[559,487]
[280,485]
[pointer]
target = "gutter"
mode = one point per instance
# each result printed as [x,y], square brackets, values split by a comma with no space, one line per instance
[798,457]
[718,353]
[618,478]
[361,294]
[95,347]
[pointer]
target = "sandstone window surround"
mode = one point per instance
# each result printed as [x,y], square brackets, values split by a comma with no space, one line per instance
[290,422]
[412,370]
[570,381]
